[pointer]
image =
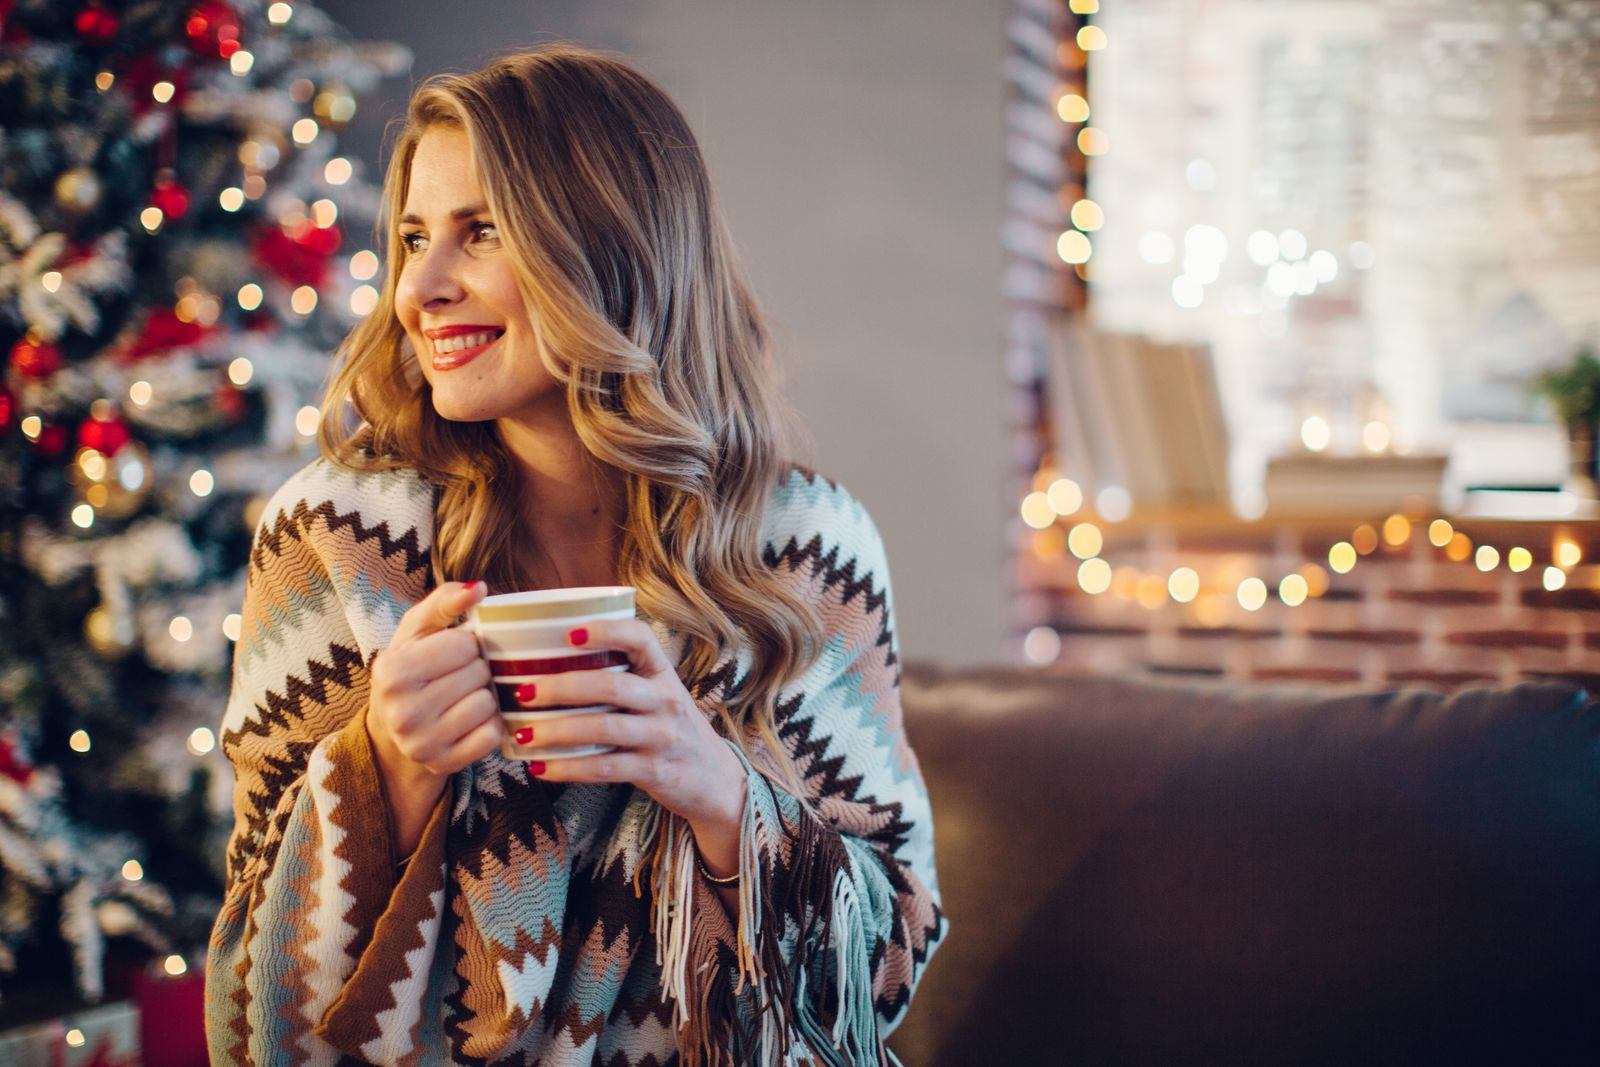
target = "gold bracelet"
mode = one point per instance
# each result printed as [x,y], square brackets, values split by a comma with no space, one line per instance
[721,883]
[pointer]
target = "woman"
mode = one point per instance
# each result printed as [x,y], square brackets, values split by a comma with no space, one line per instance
[566,382]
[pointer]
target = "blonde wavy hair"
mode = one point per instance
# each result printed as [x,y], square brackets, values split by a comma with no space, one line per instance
[602,199]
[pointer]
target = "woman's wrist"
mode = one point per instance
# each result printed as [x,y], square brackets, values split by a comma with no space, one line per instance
[716,833]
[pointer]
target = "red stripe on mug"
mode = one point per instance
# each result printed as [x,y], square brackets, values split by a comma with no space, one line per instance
[586,661]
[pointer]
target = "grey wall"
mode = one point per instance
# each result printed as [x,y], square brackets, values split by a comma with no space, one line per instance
[856,147]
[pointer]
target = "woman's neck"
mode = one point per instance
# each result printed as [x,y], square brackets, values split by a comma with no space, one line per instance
[572,502]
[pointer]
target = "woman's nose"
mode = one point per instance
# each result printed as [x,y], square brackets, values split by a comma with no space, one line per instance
[436,280]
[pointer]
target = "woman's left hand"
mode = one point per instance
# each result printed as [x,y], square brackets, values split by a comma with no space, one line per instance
[665,745]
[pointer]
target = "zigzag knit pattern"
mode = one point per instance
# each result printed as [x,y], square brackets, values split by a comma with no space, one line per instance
[541,923]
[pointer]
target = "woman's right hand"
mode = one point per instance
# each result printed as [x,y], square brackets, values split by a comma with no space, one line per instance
[431,710]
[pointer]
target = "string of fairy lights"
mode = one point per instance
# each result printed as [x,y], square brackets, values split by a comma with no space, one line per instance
[1051,508]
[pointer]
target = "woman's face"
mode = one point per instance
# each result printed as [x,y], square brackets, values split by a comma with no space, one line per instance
[456,295]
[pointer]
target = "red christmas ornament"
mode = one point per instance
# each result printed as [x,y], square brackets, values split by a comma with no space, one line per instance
[171,197]
[229,400]
[213,29]
[35,359]
[162,331]
[10,32]
[297,257]
[139,78]
[105,436]
[8,407]
[52,440]
[12,765]
[95,24]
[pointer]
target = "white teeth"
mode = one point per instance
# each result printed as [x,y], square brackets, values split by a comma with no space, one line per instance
[467,340]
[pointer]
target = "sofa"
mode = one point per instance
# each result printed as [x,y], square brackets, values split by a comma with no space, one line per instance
[1155,872]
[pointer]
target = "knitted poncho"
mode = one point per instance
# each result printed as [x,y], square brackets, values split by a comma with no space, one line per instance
[549,923]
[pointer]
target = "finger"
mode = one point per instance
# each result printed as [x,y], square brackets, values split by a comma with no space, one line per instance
[434,656]
[620,766]
[632,636]
[475,743]
[439,609]
[466,715]
[576,689]
[594,728]
[429,731]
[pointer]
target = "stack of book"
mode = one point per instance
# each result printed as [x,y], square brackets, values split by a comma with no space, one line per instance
[1308,482]
[1140,414]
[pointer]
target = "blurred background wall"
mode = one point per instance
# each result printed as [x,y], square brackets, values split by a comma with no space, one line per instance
[857,152]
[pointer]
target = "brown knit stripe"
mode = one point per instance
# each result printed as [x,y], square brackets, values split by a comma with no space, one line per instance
[363,815]
[352,1019]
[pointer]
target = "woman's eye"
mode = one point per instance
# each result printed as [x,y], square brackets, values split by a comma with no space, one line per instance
[485,231]
[413,242]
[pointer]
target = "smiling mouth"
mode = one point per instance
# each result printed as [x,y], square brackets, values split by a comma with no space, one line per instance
[452,352]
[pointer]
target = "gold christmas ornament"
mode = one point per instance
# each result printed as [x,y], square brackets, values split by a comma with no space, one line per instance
[109,633]
[78,190]
[115,486]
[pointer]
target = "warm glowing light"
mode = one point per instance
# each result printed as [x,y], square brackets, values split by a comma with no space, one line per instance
[1252,594]
[1567,554]
[1092,141]
[1114,503]
[51,280]
[174,965]
[241,370]
[75,1038]
[305,420]
[363,298]
[1375,436]
[1439,533]
[202,740]
[1487,558]
[231,625]
[1459,548]
[1088,215]
[104,80]
[1396,530]
[180,628]
[1094,576]
[32,426]
[140,393]
[279,13]
[1183,585]
[93,463]
[1519,559]
[1316,579]
[1073,247]
[1072,108]
[324,212]
[304,131]
[241,62]
[1315,433]
[1554,578]
[250,296]
[132,870]
[303,300]
[1042,645]
[162,91]
[1084,7]
[231,198]
[338,171]
[363,265]
[1292,590]
[1091,38]
[1085,540]
[1036,511]
[1065,496]
[83,516]
[151,218]
[1049,542]
[79,741]
[1151,592]
[201,482]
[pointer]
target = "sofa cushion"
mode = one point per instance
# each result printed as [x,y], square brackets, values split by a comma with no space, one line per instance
[1154,872]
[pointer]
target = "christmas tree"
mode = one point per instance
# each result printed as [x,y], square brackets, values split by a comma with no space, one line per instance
[181,249]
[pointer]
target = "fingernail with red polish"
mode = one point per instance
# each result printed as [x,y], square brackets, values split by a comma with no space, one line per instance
[527,691]
[535,767]
[524,735]
[579,636]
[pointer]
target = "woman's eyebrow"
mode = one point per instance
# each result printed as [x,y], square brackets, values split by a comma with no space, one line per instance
[458,214]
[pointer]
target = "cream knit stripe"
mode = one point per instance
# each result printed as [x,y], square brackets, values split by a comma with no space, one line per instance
[398,1023]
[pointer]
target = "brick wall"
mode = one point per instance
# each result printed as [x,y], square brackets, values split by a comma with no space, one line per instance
[1405,614]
